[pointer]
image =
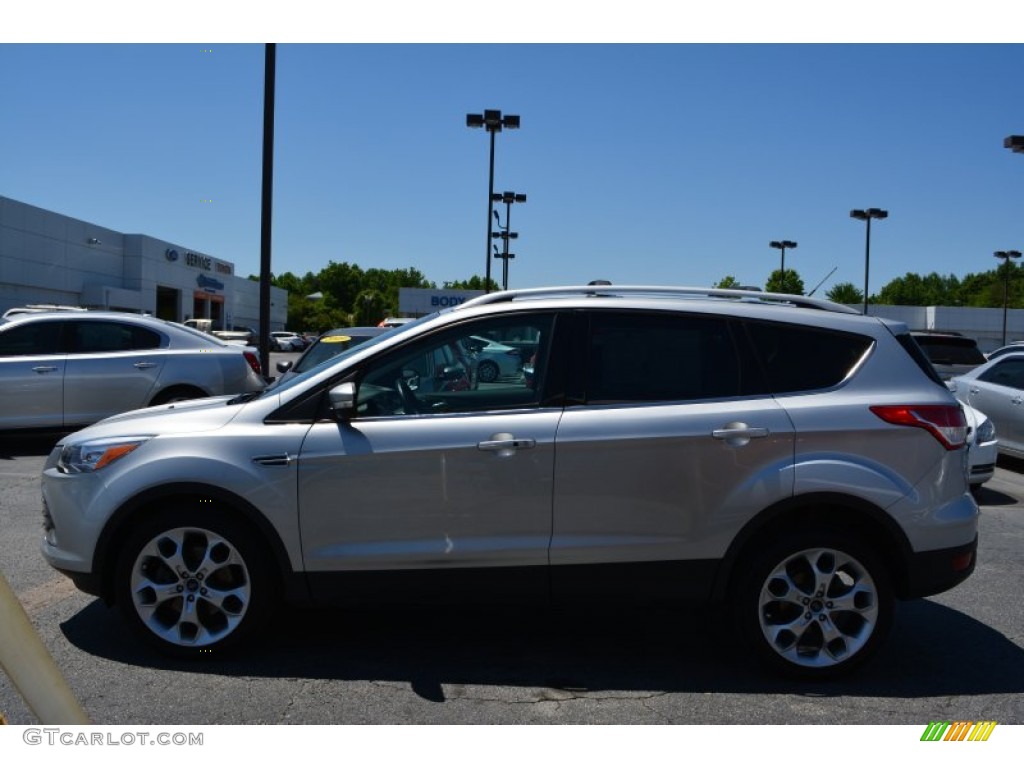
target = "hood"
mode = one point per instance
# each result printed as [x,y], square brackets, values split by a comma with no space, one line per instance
[202,415]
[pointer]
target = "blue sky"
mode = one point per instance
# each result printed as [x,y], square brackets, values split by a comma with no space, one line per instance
[642,163]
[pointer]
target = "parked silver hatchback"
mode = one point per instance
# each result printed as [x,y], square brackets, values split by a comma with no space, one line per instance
[63,370]
[787,458]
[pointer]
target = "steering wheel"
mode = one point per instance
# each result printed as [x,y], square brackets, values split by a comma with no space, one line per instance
[409,400]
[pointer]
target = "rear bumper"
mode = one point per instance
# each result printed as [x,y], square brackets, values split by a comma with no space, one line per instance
[938,570]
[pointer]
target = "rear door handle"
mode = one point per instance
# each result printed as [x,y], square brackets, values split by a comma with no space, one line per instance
[45,368]
[141,365]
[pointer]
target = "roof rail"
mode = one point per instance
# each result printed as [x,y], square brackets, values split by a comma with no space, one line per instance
[805,302]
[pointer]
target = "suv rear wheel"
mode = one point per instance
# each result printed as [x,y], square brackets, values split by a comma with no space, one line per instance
[192,582]
[815,604]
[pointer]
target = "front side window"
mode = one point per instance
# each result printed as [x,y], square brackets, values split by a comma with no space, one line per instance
[492,364]
[30,339]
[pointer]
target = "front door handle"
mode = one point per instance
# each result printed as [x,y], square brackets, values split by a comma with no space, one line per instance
[141,365]
[45,368]
[737,433]
[505,444]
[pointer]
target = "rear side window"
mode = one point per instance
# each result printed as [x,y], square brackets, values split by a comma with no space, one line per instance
[1007,373]
[951,351]
[798,358]
[107,336]
[662,357]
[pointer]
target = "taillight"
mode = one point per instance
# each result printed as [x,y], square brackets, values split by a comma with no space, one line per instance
[946,423]
[254,362]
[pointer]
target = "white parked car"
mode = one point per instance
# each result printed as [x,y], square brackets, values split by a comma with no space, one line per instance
[982,447]
[491,359]
[998,388]
[286,341]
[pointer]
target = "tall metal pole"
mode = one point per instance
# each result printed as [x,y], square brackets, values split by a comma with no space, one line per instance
[269,70]
[490,217]
[867,262]
[1006,294]
[508,236]
[1006,257]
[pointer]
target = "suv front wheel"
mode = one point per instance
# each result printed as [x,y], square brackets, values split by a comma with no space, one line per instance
[815,605]
[193,582]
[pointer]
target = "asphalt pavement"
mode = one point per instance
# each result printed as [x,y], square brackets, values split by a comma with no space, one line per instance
[956,656]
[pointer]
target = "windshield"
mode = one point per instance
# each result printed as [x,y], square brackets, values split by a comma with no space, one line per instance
[281,386]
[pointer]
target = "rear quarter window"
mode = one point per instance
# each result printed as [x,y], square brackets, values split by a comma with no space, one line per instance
[798,358]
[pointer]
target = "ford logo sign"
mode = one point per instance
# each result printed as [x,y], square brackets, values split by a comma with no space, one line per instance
[171,255]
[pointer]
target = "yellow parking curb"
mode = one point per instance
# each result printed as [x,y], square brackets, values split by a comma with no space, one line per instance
[31,668]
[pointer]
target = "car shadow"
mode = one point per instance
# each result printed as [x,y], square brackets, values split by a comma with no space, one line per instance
[29,444]
[933,651]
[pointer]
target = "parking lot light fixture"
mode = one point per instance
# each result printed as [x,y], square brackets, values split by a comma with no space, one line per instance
[782,245]
[493,122]
[1006,257]
[508,198]
[1014,144]
[866,215]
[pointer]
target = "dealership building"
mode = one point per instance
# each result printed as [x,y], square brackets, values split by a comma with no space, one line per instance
[49,258]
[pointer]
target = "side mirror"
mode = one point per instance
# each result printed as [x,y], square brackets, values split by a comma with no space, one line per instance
[285,365]
[342,398]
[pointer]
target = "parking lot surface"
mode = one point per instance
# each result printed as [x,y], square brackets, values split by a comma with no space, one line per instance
[957,656]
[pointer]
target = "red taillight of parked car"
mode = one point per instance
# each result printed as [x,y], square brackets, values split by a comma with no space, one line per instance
[946,423]
[254,362]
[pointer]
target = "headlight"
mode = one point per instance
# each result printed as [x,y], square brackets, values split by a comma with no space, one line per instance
[986,432]
[94,455]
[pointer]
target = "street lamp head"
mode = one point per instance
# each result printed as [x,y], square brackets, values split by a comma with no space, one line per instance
[1014,143]
[782,244]
[1007,255]
[869,213]
[492,120]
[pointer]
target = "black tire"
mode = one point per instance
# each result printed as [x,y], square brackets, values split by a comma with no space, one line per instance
[814,605]
[487,372]
[194,582]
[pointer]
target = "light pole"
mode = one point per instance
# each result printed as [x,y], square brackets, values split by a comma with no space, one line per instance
[493,121]
[867,214]
[782,245]
[1006,256]
[507,198]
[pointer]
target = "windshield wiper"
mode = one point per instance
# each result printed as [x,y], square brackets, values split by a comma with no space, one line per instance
[245,397]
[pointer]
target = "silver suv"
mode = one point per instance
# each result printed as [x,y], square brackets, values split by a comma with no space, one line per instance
[795,462]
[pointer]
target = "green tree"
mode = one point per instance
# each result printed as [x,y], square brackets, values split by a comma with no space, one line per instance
[727,282]
[370,308]
[914,290]
[788,282]
[475,283]
[845,293]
